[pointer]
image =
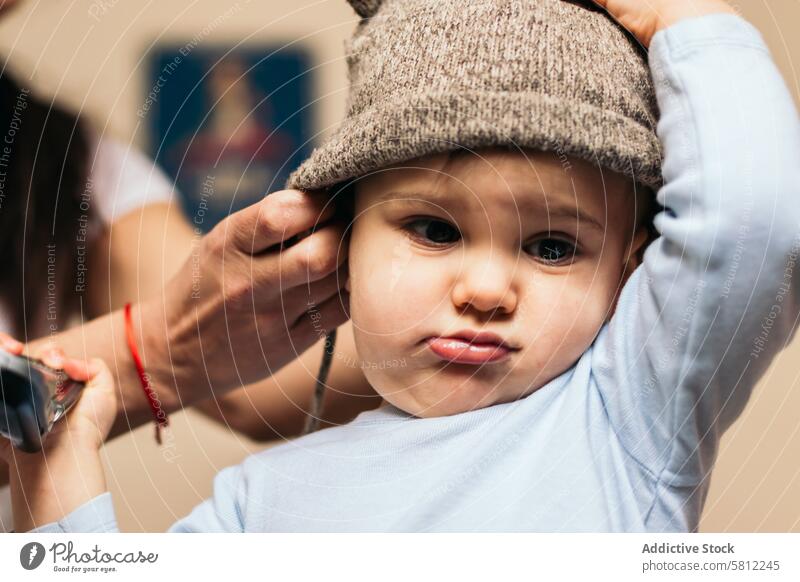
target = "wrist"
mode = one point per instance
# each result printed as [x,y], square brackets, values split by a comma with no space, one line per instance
[171,331]
[60,453]
[151,332]
[61,481]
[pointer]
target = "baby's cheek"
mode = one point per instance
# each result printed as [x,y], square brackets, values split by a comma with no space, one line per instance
[584,315]
[399,293]
[559,318]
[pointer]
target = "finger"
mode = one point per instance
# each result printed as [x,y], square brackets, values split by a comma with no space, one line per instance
[316,292]
[10,344]
[99,375]
[323,318]
[79,370]
[278,216]
[605,5]
[98,404]
[314,257]
[53,357]
[98,366]
[39,348]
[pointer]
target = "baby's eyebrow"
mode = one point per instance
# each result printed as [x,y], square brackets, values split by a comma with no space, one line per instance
[571,212]
[555,209]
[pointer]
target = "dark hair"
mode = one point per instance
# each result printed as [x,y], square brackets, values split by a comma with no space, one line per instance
[44,158]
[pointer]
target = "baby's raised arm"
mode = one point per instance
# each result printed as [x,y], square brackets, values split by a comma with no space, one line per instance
[716,297]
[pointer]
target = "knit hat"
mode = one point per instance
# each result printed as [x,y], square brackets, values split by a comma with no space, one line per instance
[429,76]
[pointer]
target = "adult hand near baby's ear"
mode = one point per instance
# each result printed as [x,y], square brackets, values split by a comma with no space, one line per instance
[644,18]
[241,307]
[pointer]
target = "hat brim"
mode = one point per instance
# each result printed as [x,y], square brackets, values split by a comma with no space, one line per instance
[423,124]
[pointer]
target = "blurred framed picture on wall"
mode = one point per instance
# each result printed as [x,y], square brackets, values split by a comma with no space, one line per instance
[227,124]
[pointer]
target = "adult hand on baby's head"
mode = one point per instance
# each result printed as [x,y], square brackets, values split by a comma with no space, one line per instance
[241,307]
[644,18]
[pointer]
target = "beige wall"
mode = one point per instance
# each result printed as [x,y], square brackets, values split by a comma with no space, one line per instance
[89,54]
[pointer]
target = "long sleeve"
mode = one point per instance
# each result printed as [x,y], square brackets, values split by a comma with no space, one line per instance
[716,297]
[94,516]
[220,513]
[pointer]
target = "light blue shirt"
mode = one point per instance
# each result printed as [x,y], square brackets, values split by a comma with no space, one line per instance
[625,439]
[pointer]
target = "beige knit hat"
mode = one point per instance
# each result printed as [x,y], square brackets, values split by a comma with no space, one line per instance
[428,76]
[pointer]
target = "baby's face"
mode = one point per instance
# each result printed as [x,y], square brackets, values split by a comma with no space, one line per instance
[529,252]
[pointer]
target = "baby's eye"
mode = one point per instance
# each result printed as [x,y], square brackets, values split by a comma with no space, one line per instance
[552,251]
[432,230]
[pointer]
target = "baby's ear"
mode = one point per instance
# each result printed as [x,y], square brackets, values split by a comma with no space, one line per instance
[365,8]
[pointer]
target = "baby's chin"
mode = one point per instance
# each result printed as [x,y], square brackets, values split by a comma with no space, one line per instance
[425,402]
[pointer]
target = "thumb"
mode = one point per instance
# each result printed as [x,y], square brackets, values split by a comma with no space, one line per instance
[98,373]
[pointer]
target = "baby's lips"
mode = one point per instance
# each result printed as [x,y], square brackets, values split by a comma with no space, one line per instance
[461,351]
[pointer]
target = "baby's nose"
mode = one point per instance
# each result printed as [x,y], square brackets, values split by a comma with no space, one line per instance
[487,286]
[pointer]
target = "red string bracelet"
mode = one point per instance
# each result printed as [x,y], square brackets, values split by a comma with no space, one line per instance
[155,403]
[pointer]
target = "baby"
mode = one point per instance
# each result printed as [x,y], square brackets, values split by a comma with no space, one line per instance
[556,375]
